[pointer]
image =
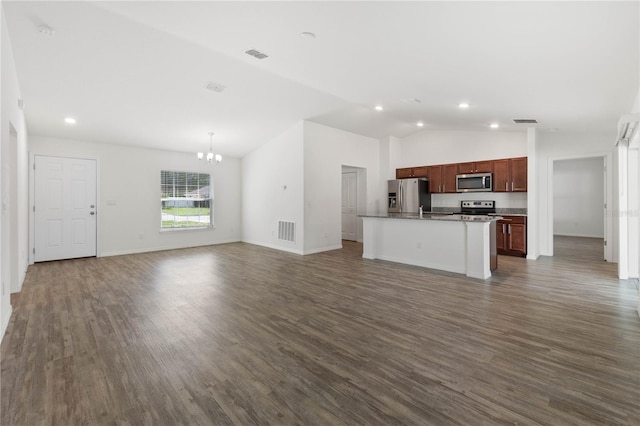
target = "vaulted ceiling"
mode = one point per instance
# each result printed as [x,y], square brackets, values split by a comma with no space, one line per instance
[135,72]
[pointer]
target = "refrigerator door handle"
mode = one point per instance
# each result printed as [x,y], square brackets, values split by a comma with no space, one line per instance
[400,195]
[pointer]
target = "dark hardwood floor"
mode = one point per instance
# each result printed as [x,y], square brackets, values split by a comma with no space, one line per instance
[240,334]
[584,249]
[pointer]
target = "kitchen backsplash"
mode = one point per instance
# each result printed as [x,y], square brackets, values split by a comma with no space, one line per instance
[504,200]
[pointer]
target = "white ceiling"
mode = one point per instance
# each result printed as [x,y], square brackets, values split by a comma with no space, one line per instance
[134,72]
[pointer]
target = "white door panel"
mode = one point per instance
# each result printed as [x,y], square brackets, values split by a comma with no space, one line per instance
[349,206]
[65,213]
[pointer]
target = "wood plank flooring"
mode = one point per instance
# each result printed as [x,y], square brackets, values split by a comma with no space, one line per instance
[241,334]
[583,249]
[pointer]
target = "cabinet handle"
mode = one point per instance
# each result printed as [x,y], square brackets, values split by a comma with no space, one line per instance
[511,186]
[508,228]
[503,230]
[506,186]
[444,187]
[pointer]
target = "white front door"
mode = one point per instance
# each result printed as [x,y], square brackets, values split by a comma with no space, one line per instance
[349,206]
[65,208]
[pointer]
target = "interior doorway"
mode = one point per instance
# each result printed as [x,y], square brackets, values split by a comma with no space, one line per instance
[581,225]
[354,195]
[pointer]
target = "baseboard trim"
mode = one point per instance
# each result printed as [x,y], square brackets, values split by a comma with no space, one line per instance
[163,248]
[321,249]
[274,246]
[6,325]
[579,235]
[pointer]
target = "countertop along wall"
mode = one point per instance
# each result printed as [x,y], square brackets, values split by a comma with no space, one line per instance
[129,195]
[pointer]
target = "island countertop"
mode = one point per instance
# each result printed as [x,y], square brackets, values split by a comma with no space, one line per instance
[435,216]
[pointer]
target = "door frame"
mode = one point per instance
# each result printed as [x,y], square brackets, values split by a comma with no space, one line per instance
[32,201]
[361,196]
[608,189]
[355,174]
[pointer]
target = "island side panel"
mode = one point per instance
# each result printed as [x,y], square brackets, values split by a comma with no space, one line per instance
[479,249]
[427,243]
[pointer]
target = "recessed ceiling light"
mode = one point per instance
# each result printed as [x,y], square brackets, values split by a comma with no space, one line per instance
[70,120]
[494,125]
[46,30]
[379,107]
[463,105]
[214,87]
[307,34]
[420,124]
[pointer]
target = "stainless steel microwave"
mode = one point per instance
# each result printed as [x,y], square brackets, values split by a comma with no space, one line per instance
[474,182]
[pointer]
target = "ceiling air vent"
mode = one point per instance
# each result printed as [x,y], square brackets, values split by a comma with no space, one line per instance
[256,54]
[525,121]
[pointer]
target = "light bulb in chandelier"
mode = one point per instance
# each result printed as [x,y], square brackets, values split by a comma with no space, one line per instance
[210,155]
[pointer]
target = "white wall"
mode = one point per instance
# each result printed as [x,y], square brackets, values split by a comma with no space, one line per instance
[265,173]
[459,146]
[12,115]
[326,150]
[129,195]
[578,197]
[558,146]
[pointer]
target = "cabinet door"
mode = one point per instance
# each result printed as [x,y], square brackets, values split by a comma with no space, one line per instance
[419,172]
[501,181]
[434,173]
[465,168]
[519,174]
[403,173]
[501,234]
[449,172]
[483,166]
[518,238]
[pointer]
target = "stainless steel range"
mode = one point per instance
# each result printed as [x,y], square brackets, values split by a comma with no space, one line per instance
[480,207]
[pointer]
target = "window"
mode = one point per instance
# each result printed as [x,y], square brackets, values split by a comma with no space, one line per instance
[186,200]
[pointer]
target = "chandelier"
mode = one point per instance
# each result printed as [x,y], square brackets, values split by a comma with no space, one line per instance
[210,155]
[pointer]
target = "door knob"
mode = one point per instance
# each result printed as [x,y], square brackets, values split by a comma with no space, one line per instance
[92,213]
[92,206]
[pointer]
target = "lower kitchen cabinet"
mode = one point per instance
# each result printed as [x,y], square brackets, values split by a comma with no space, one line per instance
[511,236]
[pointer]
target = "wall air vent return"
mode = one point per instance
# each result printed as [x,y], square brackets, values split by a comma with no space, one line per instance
[287,231]
[525,121]
[256,54]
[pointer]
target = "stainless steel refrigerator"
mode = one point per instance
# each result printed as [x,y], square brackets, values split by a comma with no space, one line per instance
[407,195]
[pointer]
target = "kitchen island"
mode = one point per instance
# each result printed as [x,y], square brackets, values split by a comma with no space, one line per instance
[449,242]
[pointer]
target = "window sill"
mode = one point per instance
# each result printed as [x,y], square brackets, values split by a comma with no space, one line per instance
[198,228]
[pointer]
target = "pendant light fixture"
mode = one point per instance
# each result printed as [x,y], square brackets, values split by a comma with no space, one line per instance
[210,155]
